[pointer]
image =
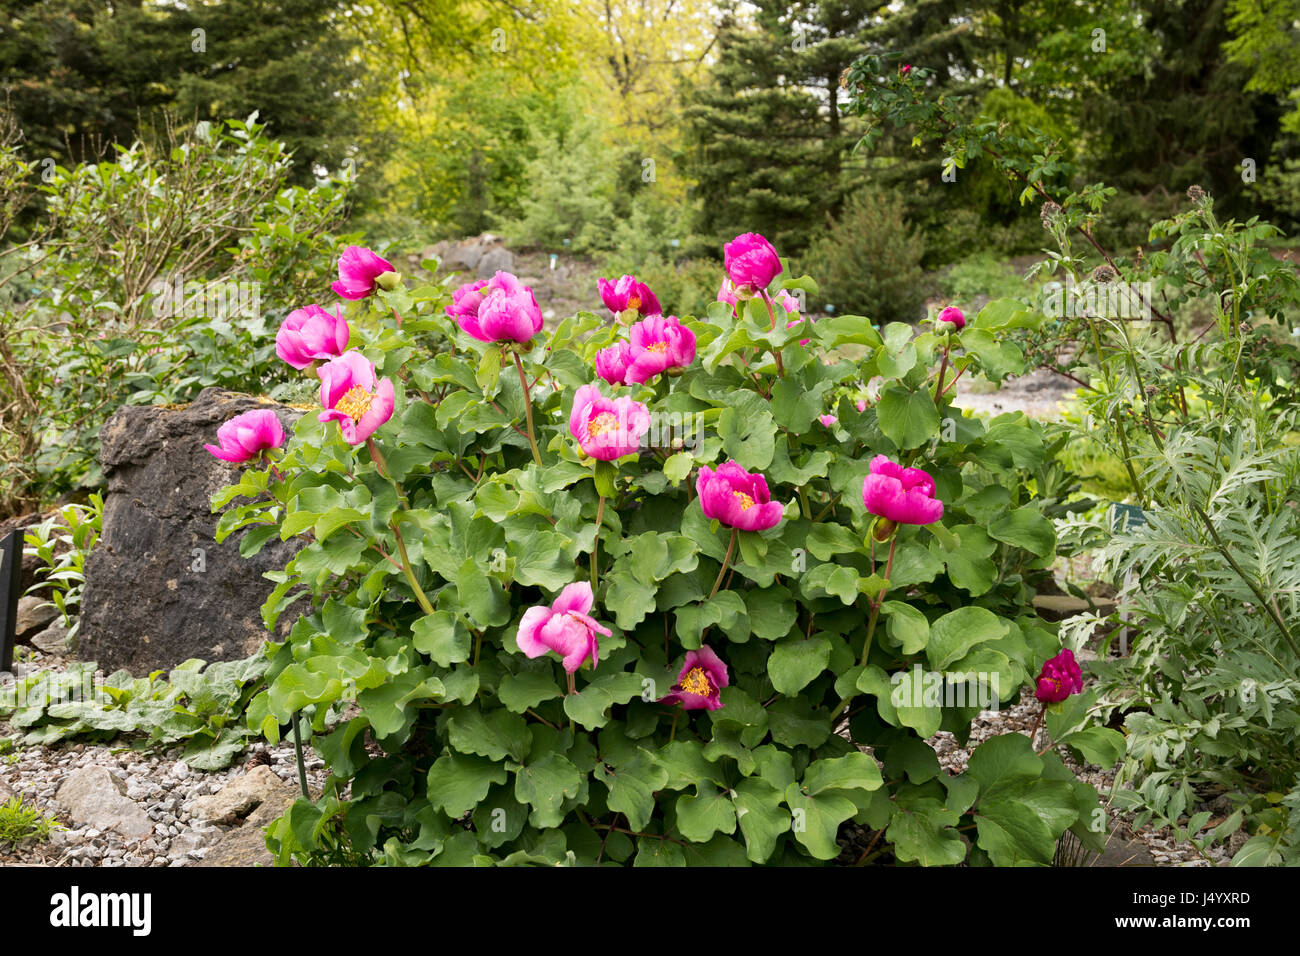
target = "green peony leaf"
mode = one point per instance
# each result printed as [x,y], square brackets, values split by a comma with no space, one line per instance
[458,783]
[795,662]
[954,634]
[908,419]
[496,735]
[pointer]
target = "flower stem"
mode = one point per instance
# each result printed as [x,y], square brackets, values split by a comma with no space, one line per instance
[528,409]
[771,311]
[595,544]
[672,734]
[420,596]
[871,623]
[731,546]
[943,368]
[1033,734]
[297,749]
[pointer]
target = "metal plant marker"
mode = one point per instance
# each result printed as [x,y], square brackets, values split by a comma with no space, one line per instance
[11,569]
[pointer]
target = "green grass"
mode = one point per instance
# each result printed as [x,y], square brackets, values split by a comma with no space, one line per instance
[18,822]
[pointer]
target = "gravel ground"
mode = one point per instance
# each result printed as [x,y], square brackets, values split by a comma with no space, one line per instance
[159,782]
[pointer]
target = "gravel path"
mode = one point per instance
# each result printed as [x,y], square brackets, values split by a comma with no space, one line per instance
[158,782]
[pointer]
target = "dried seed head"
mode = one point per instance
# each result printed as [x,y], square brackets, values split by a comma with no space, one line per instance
[1104,273]
[1195,193]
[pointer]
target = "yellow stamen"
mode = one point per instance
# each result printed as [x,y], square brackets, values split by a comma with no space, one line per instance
[697,682]
[634,302]
[355,403]
[602,423]
[659,348]
[746,502]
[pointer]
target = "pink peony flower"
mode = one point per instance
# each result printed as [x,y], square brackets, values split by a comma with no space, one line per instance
[737,498]
[360,270]
[627,294]
[565,627]
[612,363]
[751,263]
[1059,678]
[905,69]
[699,685]
[311,334]
[502,309]
[607,429]
[862,404]
[659,344]
[828,420]
[727,293]
[902,495]
[953,316]
[247,435]
[350,397]
[466,300]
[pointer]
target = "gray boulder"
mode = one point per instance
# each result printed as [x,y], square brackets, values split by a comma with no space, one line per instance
[96,796]
[159,589]
[494,259]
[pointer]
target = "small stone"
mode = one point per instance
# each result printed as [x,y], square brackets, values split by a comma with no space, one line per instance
[53,639]
[34,615]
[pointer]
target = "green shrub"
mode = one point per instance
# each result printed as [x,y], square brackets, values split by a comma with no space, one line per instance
[870,260]
[158,273]
[471,507]
[1205,431]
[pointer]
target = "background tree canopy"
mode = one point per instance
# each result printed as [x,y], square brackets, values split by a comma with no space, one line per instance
[659,128]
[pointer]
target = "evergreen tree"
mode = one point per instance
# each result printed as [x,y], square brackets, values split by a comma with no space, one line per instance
[768,142]
[86,72]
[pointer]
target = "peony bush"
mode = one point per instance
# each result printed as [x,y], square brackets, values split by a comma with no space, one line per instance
[656,590]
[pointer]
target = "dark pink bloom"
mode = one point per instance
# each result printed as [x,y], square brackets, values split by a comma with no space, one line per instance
[360,271]
[1059,678]
[627,294]
[862,404]
[612,363]
[751,263]
[699,685]
[466,300]
[903,495]
[827,420]
[905,69]
[953,316]
[607,429]
[502,309]
[659,344]
[737,498]
[246,436]
[311,334]
[351,398]
[565,627]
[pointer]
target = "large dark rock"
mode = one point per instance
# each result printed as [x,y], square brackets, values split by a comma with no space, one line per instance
[159,589]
